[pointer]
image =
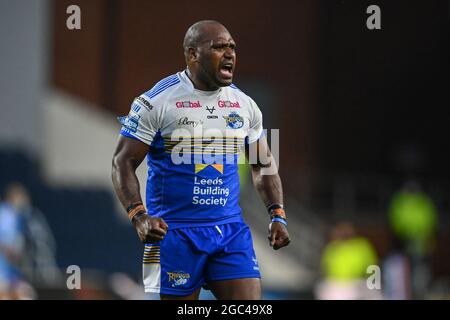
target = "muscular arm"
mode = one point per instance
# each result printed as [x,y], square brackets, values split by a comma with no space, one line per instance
[127,157]
[264,173]
[267,182]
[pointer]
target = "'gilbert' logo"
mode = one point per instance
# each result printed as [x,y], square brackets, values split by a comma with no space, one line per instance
[188,104]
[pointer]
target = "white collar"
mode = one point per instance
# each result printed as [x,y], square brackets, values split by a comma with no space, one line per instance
[187,81]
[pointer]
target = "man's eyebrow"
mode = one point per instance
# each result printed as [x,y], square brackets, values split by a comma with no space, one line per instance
[218,41]
[222,41]
[226,40]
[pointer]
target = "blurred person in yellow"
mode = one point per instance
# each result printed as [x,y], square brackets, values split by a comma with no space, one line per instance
[344,263]
[413,218]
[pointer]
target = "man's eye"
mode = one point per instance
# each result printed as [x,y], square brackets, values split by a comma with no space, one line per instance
[224,46]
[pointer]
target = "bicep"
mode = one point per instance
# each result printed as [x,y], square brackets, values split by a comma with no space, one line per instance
[132,150]
[258,153]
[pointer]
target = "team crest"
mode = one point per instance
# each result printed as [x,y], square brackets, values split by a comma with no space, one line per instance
[178,278]
[234,121]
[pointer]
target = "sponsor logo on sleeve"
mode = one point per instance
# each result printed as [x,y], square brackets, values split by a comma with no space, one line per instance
[130,122]
[141,101]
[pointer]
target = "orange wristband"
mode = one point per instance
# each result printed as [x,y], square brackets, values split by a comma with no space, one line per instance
[278,212]
[135,211]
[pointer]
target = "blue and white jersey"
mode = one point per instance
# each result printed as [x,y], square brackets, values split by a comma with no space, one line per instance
[195,138]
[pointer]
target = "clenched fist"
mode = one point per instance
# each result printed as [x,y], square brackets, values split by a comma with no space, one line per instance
[278,235]
[150,229]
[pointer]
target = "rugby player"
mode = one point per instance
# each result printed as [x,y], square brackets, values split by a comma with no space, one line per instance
[191,126]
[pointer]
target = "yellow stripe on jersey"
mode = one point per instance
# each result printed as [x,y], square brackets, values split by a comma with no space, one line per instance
[226,145]
[200,167]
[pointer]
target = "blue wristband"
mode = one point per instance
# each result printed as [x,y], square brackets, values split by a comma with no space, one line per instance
[280,220]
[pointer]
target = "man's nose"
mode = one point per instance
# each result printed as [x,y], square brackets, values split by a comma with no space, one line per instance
[229,53]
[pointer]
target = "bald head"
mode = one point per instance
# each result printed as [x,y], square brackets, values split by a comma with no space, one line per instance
[199,32]
[210,55]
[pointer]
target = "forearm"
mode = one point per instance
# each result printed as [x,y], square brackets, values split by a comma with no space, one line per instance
[271,191]
[269,187]
[125,181]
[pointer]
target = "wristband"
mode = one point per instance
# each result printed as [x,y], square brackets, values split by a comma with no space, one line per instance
[137,209]
[278,212]
[137,215]
[274,206]
[278,216]
[134,205]
[283,221]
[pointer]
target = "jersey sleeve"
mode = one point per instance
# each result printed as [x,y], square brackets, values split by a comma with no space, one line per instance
[142,123]
[256,123]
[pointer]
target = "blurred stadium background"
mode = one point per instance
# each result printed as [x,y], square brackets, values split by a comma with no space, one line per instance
[360,114]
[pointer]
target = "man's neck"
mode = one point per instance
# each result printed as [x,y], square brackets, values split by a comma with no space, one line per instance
[198,84]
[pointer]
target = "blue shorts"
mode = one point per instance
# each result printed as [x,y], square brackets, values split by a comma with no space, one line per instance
[188,258]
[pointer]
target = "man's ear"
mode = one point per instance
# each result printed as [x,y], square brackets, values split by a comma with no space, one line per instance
[192,54]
